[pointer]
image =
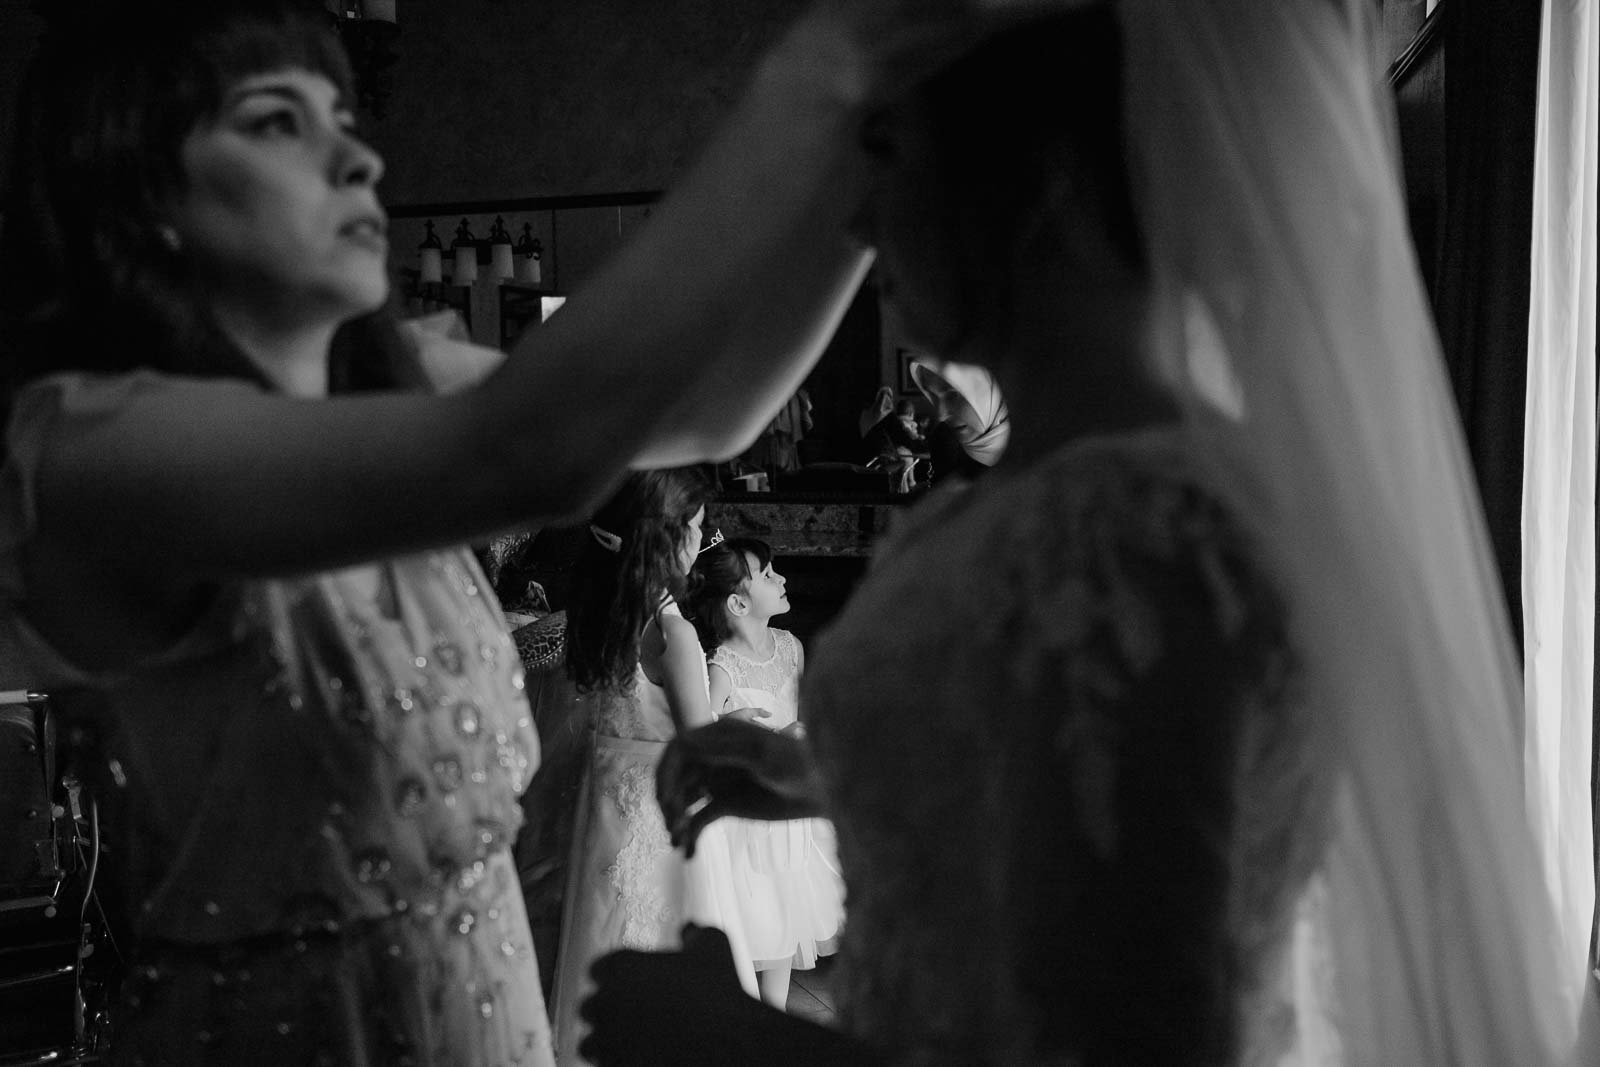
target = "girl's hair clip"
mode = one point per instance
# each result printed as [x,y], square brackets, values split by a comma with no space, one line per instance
[605,539]
[711,542]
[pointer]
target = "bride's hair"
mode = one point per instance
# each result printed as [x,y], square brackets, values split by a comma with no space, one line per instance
[1028,130]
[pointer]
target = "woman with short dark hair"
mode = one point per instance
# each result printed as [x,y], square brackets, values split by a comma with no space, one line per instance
[229,507]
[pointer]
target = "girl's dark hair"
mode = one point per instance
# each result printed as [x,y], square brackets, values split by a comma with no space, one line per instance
[1035,110]
[86,282]
[717,574]
[616,593]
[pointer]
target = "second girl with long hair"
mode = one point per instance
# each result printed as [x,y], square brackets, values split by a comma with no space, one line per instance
[638,658]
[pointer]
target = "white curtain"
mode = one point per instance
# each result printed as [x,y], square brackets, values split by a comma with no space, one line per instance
[1558,502]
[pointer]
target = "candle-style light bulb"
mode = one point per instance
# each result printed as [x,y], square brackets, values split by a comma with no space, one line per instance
[500,251]
[528,254]
[465,249]
[430,257]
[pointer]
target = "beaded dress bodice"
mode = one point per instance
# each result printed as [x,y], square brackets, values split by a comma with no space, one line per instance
[309,801]
[357,762]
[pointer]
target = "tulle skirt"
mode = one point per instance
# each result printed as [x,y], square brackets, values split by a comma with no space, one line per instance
[787,889]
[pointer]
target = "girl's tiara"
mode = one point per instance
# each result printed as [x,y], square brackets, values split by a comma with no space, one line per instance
[711,542]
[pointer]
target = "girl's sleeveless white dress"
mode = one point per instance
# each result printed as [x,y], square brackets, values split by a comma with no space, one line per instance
[786,875]
[627,887]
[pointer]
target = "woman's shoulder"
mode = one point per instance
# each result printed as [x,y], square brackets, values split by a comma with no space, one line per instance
[46,411]
[1119,547]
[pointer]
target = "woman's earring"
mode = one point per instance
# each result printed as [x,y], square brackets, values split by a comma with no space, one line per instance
[169,237]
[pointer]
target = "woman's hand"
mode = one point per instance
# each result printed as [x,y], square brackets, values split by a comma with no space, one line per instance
[661,1009]
[734,768]
[898,43]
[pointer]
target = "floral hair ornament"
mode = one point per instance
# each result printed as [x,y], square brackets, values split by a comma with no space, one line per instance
[711,542]
[605,538]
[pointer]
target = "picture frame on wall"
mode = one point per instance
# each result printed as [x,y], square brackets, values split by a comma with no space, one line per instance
[904,357]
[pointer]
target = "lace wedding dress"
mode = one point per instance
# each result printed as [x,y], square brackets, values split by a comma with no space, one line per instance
[1037,791]
[626,885]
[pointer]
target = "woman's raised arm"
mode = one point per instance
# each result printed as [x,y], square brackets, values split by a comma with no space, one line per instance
[210,479]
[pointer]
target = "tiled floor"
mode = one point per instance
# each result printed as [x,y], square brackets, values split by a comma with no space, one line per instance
[811,993]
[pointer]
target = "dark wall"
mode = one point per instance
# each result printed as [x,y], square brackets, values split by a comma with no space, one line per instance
[1419,101]
[512,98]
[19,30]
[509,98]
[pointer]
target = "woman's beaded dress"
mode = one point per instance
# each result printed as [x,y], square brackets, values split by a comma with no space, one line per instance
[309,801]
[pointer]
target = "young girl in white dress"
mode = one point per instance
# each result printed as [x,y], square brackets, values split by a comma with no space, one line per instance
[786,874]
[629,647]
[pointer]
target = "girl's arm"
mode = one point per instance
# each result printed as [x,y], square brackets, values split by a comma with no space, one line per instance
[721,687]
[682,661]
[798,727]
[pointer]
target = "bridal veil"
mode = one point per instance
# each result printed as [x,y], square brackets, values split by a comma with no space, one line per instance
[1263,153]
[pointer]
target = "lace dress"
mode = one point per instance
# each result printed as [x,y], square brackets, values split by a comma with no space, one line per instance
[627,887]
[786,874]
[308,801]
[1053,722]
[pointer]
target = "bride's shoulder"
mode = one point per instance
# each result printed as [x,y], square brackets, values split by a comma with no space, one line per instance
[1141,485]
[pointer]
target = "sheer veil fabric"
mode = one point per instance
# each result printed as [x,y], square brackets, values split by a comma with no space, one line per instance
[1291,317]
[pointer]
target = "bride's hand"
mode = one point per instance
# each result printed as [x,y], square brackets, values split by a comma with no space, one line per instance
[734,768]
[662,1009]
